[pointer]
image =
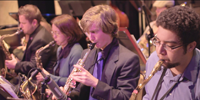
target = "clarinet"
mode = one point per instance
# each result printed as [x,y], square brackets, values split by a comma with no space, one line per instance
[80,62]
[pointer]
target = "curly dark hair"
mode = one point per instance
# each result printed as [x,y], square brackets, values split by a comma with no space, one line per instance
[183,21]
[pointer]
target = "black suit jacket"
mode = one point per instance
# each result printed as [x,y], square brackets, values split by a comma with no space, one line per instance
[39,38]
[119,77]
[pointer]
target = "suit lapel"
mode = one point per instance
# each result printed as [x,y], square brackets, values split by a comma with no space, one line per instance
[30,43]
[91,58]
[110,65]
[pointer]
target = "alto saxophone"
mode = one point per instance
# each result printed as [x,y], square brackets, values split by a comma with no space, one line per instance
[38,56]
[24,86]
[28,88]
[7,53]
[80,62]
[140,86]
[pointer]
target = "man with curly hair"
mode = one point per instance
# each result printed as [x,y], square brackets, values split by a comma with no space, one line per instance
[176,40]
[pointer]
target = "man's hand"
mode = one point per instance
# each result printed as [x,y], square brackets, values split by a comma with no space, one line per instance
[84,77]
[11,63]
[39,77]
[48,93]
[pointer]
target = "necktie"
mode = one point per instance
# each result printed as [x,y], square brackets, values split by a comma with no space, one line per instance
[97,72]
[98,67]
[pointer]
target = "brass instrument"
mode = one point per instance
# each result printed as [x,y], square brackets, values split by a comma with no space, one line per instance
[140,86]
[28,88]
[38,56]
[27,85]
[3,71]
[80,62]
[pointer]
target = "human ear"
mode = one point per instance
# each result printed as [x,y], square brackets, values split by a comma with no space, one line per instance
[191,46]
[34,22]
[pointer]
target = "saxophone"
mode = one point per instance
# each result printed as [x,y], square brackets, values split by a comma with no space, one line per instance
[38,56]
[80,62]
[28,88]
[4,71]
[24,86]
[140,86]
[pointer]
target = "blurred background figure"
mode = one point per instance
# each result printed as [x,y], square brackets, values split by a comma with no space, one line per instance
[143,41]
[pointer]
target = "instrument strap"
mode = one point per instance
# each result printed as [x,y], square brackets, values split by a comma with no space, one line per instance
[192,90]
[170,89]
[159,86]
[159,82]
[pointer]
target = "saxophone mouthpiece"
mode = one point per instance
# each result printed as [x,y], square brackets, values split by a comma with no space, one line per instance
[52,43]
[19,31]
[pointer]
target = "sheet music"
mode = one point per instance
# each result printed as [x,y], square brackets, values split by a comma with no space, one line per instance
[6,86]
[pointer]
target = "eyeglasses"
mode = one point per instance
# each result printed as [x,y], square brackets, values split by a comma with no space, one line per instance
[157,42]
[56,33]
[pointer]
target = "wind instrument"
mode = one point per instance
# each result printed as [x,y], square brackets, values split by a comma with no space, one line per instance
[51,84]
[141,85]
[4,71]
[28,88]
[24,86]
[38,56]
[80,62]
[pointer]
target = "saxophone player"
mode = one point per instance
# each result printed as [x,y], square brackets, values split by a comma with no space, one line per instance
[176,40]
[67,33]
[29,19]
[111,71]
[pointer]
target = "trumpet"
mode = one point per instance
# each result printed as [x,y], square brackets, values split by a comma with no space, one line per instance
[80,62]
[3,71]
[140,86]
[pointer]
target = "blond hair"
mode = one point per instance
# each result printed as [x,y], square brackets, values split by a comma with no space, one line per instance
[103,16]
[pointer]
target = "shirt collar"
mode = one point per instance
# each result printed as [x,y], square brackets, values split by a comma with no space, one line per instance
[35,31]
[191,71]
[106,51]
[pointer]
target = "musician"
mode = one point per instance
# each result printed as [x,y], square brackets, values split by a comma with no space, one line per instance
[66,32]
[177,36]
[19,51]
[120,69]
[29,18]
[143,41]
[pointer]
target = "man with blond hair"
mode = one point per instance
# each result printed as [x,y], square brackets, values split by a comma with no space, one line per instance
[112,76]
